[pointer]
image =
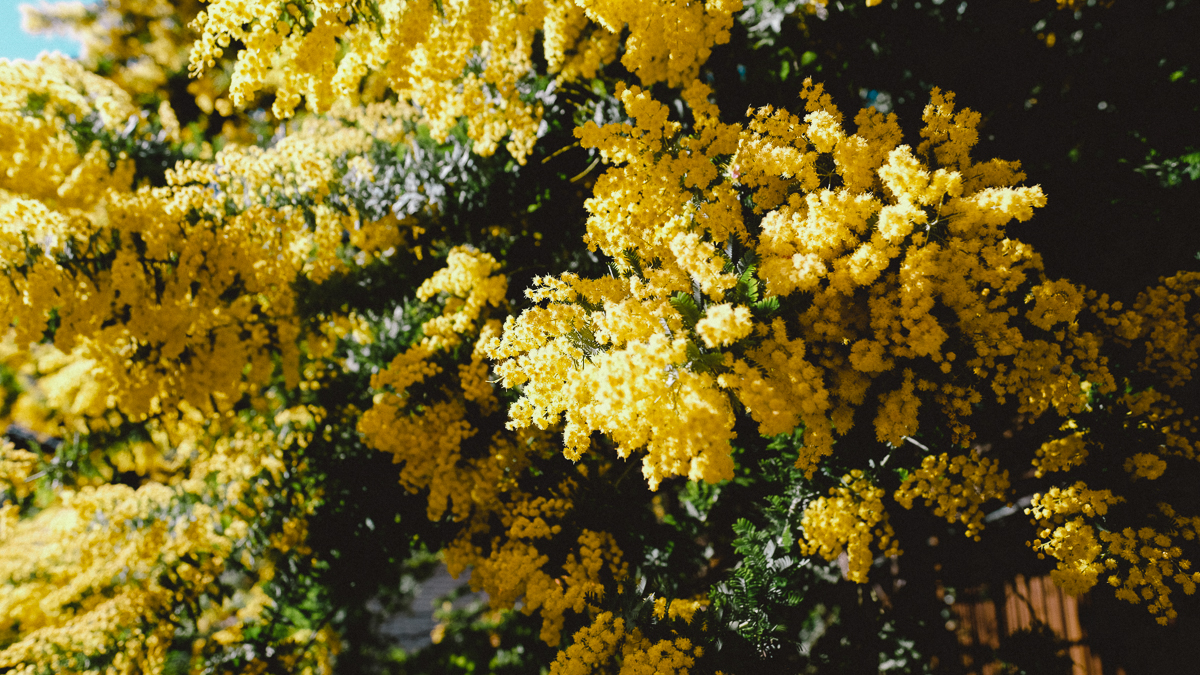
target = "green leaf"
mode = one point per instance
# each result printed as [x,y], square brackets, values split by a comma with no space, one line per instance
[685,304]
[765,307]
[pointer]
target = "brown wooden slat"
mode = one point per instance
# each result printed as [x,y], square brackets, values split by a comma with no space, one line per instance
[1025,600]
[1071,616]
[1011,619]
[1054,608]
[986,627]
[1037,599]
[1024,618]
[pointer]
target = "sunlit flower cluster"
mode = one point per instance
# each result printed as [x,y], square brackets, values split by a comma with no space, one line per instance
[857,238]
[458,59]
[959,486]
[852,521]
[1062,515]
[102,572]
[168,291]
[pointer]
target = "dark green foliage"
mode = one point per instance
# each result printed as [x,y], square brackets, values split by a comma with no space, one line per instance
[146,144]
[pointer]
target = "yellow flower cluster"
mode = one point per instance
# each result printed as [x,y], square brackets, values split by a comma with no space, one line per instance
[1164,321]
[1145,557]
[885,262]
[682,609]
[1159,412]
[1067,536]
[43,174]
[592,647]
[642,396]
[169,292]
[957,499]
[1145,465]
[426,434]
[514,570]
[781,387]
[850,520]
[640,656]
[595,647]
[723,325]
[456,59]
[470,281]
[16,467]
[1061,454]
[100,574]
[1154,560]
[426,438]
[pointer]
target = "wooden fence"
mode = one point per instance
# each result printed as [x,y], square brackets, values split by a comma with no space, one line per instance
[980,623]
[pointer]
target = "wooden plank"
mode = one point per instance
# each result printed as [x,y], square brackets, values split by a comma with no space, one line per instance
[964,629]
[1071,618]
[986,626]
[1011,618]
[1054,607]
[1037,599]
[1021,587]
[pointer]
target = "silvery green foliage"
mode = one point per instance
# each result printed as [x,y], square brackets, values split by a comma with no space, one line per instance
[418,178]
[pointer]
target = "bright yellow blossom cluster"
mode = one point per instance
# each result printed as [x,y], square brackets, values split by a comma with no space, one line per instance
[103,573]
[1140,552]
[427,438]
[1164,319]
[169,291]
[455,59]
[16,466]
[427,435]
[592,647]
[957,499]
[852,521]
[681,609]
[898,279]
[595,649]
[1154,559]
[1067,536]
[1061,454]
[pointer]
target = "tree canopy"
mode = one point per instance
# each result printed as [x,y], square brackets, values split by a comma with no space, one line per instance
[722,337]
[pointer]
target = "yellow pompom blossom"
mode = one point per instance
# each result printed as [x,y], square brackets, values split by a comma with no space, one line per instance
[723,325]
[456,59]
[642,656]
[426,428]
[958,486]
[16,467]
[685,609]
[851,520]
[427,438]
[678,609]
[514,570]
[470,281]
[1141,554]
[1162,323]
[1061,454]
[591,648]
[1145,465]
